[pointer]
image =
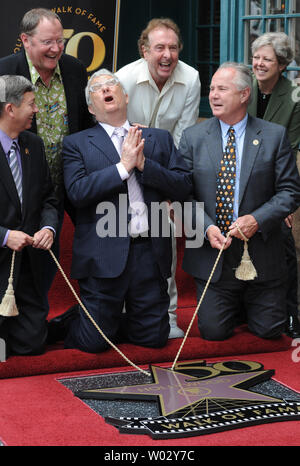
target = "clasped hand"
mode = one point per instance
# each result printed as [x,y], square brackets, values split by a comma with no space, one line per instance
[132,151]
[42,239]
[246,224]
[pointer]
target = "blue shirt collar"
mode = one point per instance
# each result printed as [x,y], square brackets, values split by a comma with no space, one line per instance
[6,141]
[239,127]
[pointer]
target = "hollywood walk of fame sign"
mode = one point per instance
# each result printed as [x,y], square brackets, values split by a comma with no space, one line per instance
[196,399]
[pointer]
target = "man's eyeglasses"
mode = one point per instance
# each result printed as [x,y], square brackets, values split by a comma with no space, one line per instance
[50,43]
[108,83]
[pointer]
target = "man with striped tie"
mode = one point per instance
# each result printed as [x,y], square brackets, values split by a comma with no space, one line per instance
[114,174]
[28,212]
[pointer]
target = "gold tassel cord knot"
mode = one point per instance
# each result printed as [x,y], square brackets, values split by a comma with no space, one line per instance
[8,307]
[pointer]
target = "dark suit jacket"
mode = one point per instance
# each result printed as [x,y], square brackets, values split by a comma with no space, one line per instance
[92,179]
[39,204]
[269,190]
[283,108]
[74,78]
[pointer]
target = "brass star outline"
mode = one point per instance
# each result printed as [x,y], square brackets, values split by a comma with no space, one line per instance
[176,391]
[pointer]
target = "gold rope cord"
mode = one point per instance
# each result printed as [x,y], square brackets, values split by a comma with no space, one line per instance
[199,303]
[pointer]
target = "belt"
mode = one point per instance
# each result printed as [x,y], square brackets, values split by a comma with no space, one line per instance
[139,239]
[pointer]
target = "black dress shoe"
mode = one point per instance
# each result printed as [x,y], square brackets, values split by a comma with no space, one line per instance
[58,326]
[293,327]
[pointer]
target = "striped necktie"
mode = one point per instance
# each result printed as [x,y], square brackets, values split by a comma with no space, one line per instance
[139,220]
[15,169]
[226,184]
[134,189]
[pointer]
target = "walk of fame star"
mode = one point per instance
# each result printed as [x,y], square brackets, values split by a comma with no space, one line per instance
[177,391]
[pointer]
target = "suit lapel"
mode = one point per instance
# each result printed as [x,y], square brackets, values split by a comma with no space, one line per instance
[276,102]
[26,170]
[252,145]
[7,179]
[252,107]
[149,142]
[71,87]
[99,138]
[214,143]
[148,151]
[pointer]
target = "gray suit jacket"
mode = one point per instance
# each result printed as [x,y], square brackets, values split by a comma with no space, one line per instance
[269,190]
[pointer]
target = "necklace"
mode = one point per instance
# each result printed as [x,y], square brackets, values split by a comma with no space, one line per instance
[263,96]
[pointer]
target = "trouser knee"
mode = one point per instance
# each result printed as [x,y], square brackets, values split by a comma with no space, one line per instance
[213,331]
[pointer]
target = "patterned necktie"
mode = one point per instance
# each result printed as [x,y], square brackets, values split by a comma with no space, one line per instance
[226,184]
[15,169]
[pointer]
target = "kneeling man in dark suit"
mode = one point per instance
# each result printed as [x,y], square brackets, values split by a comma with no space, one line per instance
[115,174]
[245,173]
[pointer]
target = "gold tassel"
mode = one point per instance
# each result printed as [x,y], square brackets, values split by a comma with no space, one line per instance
[8,307]
[246,269]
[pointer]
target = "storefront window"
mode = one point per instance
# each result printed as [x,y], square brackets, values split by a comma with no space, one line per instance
[273,16]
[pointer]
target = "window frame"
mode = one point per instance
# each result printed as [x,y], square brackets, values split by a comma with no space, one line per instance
[264,17]
[205,110]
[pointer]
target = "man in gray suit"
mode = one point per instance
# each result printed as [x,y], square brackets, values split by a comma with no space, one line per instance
[262,189]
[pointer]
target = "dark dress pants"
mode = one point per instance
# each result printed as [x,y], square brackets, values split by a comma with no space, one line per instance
[144,291]
[26,333]
[263,302]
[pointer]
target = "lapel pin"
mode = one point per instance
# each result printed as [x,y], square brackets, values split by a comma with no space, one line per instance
[255,142]
[27,151]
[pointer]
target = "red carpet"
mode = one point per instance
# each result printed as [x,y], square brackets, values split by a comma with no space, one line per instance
[40,411]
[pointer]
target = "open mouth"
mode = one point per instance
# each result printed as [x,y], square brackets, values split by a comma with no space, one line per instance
[51,57]
[165,65]
[261,70]
[109,98]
